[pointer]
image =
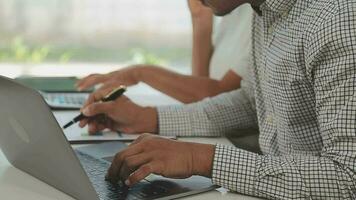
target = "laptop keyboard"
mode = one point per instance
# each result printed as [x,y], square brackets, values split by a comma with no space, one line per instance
[96,170]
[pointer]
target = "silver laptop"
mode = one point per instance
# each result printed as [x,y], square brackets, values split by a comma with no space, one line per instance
[33,142]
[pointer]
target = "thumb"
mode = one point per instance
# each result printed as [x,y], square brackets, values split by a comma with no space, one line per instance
[98,108]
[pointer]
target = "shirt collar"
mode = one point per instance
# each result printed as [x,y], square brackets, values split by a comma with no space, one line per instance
[278,6]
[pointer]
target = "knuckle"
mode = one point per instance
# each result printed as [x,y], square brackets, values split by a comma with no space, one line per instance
[110,83]
[139,138]
[97,95]
[129,163]
[146,135]
[146,169]
[117,157]
[121,157]
[91,97]
[126,160]
[134,178]
[92,108]
[94,75]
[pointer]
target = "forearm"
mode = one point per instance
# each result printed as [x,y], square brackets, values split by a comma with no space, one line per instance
[202,118]
[186,89]
[202,45]
[208,118]
[202,158]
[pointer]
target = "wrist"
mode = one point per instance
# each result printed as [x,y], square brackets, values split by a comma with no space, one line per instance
[202,158]
[148,122]
[143,73]
[138,73]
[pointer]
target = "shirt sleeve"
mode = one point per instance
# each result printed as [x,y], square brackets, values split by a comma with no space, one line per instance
[332,173]
[210,117]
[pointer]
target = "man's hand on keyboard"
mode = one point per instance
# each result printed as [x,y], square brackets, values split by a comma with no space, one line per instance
[169,158]
[121,114]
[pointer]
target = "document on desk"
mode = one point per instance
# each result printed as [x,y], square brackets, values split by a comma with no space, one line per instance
[75,134]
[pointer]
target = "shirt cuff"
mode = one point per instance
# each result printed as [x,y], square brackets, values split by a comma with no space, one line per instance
[173,121]
[234,169]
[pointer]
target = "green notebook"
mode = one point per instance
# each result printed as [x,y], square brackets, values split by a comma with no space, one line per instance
[50,84]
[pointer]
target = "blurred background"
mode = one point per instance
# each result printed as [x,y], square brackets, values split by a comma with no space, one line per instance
[78,37]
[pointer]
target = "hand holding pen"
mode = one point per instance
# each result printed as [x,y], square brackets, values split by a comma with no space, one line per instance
[112,96]
[120,115]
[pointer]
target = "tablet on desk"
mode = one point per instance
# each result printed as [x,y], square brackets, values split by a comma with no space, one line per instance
[65,100]
[59,92]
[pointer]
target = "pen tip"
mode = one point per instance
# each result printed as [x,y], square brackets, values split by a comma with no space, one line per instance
[67,125]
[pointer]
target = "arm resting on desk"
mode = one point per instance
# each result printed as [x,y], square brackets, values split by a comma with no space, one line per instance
[285,177]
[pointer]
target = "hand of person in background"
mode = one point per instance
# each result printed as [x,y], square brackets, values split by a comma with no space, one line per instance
[127,76]
[156,155]
[119,115]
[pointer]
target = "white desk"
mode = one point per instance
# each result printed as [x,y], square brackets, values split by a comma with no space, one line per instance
[15,184]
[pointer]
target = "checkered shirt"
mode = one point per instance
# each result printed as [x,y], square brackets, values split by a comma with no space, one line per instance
[301,95]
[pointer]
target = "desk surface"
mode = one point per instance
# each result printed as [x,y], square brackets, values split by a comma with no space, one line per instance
[15,184]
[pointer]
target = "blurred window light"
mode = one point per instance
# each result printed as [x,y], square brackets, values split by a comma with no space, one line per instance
[46,34]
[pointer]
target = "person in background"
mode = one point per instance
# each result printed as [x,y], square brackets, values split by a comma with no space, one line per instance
[223,56]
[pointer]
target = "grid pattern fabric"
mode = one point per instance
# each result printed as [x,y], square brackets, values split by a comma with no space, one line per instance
[301,94]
